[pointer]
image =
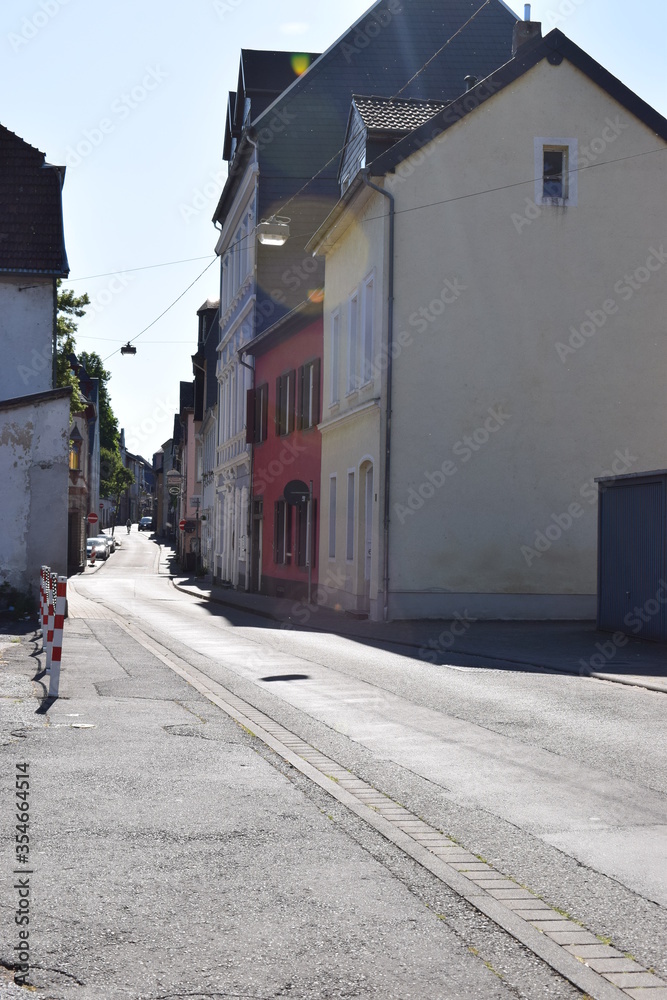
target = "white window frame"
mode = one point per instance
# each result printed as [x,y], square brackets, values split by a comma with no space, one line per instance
[334,356]
[570,148]
[353,342]
[349,533]
[366,340]
[332,517]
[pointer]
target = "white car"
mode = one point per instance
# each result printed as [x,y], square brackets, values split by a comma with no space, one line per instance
[99,546]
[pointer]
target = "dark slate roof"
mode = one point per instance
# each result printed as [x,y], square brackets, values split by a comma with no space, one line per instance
[31,219]
[390,51]
[395,116]
[186,396]
[263,76]
[555,47]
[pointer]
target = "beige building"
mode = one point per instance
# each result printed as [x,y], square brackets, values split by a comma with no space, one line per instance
[528,341]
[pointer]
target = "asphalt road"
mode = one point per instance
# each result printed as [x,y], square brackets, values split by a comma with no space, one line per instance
[559,781]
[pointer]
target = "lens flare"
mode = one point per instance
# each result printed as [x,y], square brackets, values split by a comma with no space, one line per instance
[300,63]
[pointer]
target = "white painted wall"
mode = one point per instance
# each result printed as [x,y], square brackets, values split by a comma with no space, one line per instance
[26,335]
[34,458]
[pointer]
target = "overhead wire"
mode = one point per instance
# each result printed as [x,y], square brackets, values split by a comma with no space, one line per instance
[165,311]
[411,80]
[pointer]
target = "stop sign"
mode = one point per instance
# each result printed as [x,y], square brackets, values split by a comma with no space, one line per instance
[93,518]
[181,525]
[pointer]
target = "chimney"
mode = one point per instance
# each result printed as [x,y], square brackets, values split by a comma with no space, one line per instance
[525,31]
[470,82]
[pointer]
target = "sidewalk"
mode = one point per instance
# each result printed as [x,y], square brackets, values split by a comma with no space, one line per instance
[170,855]
[573,647]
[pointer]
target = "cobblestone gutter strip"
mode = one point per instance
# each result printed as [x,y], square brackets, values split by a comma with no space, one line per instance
[597,969]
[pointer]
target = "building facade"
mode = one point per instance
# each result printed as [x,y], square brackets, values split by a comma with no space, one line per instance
[526,340]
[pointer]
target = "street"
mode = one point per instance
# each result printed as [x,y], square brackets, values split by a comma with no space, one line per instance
[556,782]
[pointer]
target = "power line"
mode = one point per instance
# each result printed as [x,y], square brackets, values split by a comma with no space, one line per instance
[129,270]
[502,187]
[165,311]
[411,80]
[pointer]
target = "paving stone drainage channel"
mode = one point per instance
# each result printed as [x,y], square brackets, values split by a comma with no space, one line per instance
[593,966]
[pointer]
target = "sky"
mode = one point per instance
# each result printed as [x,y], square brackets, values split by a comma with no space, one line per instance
[131,96]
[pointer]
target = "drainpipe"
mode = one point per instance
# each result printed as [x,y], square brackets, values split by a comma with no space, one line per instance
[249,553]
[390,340]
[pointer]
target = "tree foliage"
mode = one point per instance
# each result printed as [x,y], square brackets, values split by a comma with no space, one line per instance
[69,307]
[92,362]
[115,479]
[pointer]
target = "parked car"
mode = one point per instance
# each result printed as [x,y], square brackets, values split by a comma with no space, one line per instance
[106,540]
[111,541]
[146,524]
[98,546]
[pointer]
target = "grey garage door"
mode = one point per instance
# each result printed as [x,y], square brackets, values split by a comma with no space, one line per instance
[632,550]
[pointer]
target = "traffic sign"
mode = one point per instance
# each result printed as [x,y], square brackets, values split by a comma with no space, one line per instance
[181,525]
[93,518]
[195,501]
[101,506]
[296,492]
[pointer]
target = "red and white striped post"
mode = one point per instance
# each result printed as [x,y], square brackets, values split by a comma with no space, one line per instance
[57,643]
[43,601]
[51,584]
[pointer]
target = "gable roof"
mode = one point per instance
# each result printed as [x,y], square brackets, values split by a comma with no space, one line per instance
[31,219]
[420,49]
[263,76]
[554,47]
[415,49]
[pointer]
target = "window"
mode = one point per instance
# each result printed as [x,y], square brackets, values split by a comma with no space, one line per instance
[334,357]
[349,549]
[257,414]
[332,517]
[75,453]
[353,343]
[285,392]
[282,533]
[555,171]
[308,407]
[367,332]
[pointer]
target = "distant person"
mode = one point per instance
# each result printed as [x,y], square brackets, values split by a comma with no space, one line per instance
[128,525]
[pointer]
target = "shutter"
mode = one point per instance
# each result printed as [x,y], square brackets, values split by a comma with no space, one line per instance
[250,416]
[278,405]
[264,414]
[316,391]
[291,402]
[300,398]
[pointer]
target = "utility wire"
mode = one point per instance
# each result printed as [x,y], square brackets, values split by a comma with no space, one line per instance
[141,333]
[502,187]
[411,80]
[128,270]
